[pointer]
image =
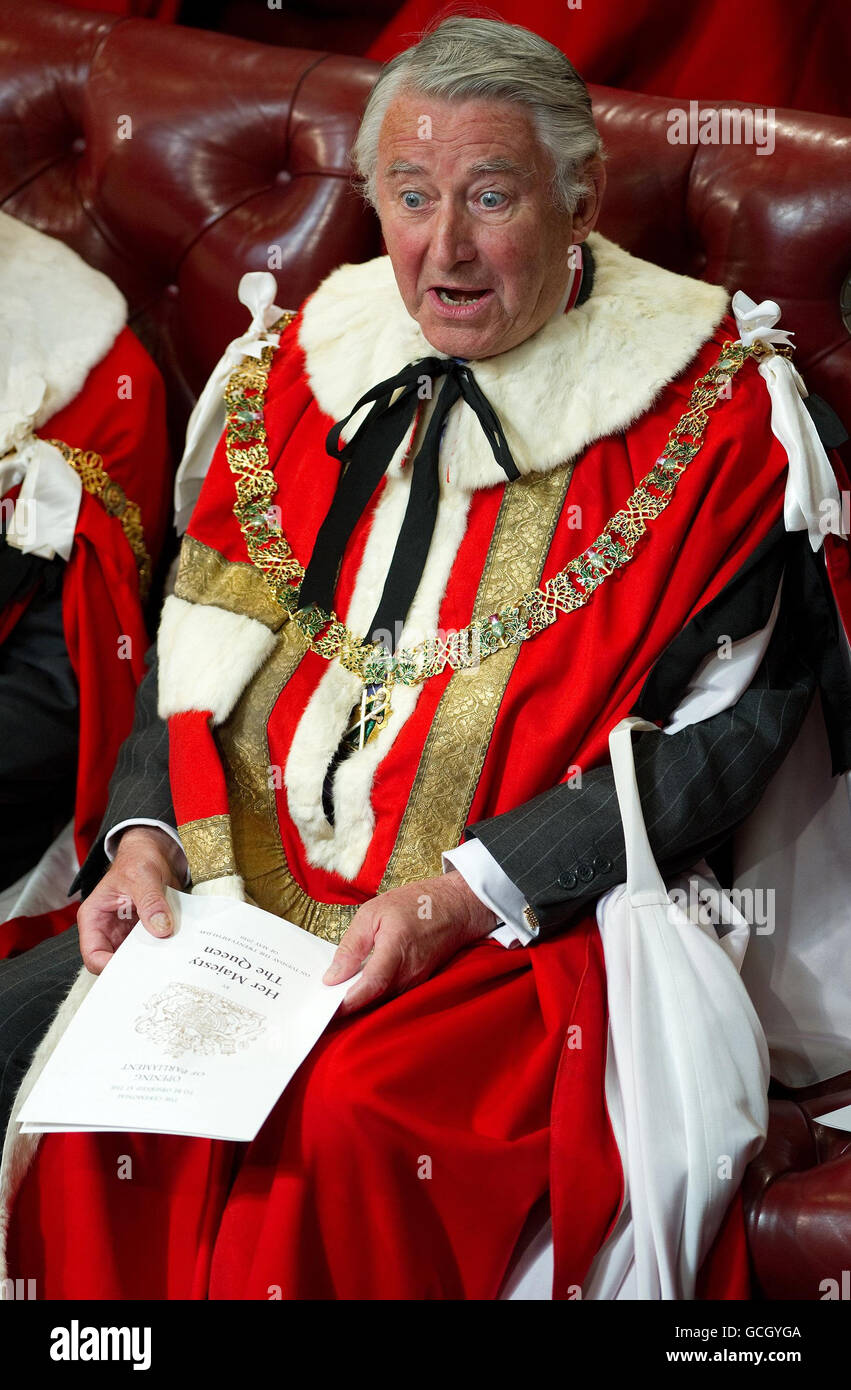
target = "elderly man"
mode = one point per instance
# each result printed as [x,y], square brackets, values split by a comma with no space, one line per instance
[411,636]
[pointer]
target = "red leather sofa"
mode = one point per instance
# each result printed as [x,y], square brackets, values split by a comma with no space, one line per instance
[233,148]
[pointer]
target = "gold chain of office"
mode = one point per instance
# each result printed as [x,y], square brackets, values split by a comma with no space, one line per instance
[570,589]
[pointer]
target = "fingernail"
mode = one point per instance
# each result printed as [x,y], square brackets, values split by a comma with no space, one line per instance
[161,924]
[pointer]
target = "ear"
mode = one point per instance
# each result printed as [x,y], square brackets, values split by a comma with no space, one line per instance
[588,209]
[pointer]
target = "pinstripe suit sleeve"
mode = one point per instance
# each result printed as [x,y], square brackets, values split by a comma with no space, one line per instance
[564,848]
[140,785]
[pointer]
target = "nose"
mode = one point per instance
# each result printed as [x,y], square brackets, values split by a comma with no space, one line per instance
[452,237]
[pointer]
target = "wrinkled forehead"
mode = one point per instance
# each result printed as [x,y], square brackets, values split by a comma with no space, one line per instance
[431,136]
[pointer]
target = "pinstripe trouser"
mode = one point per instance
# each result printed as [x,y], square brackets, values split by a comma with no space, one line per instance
[32,986]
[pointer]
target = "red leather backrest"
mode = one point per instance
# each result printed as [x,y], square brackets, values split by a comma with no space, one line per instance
[777,226]
[235,148]
[175,160]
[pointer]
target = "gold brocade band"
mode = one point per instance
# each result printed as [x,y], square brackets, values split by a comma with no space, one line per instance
[205,576]
[461,730]
[251,781]
[115,502]
[456,746]
[452,759]
[208,847]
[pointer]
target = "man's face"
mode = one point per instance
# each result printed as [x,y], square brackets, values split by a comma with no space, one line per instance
[467,217]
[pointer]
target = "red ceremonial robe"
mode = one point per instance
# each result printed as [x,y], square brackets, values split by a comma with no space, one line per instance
[101,605]
[405,1156]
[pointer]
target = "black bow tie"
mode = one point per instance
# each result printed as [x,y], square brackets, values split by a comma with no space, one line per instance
[366,456]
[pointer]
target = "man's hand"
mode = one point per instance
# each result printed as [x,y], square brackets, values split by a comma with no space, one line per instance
[133,888]
[410,931]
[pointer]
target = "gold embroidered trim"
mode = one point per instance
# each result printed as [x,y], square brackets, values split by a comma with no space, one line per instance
[464,721]
[205,576]
[114,500]
[209,848]
[268,548]
[326,920]
[461,730]
[251,781]
[455,748]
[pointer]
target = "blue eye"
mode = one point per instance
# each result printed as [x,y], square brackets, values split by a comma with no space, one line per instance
[491,193]
[409,199]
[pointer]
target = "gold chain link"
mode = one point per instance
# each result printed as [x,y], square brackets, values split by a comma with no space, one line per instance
[570,589]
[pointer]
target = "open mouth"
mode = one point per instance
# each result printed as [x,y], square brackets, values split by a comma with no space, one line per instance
[457,302]
[449,295]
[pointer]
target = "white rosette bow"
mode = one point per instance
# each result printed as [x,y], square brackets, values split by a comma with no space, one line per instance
[812,502]
[45,515]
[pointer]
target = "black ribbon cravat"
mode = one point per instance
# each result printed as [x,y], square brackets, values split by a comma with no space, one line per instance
[366,456]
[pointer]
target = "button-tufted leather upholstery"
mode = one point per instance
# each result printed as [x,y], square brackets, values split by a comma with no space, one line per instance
[798,1198]
[234,149]
[174,160]
[777,226]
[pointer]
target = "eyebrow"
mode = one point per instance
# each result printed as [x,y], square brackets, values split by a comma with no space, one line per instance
[402,166]
[500,164]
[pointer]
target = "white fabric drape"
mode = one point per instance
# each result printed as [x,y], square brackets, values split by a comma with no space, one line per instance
[43,888]
[687,1070]
[812,501]
[47,506]
[687,1073]
[793,857]
[257,291]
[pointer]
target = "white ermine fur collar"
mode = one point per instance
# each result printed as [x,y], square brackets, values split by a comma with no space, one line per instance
[586,374]
[58,319]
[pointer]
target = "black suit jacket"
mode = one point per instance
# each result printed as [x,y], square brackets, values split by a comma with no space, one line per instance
[39,714]
[565,847]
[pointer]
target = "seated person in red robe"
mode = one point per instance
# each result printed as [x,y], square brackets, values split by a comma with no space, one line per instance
[84,487]
[475,503]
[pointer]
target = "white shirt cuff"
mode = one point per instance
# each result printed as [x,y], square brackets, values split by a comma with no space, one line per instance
[494,888]
[110,843]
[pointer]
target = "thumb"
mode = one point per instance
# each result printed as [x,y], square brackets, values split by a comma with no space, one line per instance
[355,945]
[154,911]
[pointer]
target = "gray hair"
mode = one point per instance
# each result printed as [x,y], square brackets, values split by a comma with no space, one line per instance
[465,58]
